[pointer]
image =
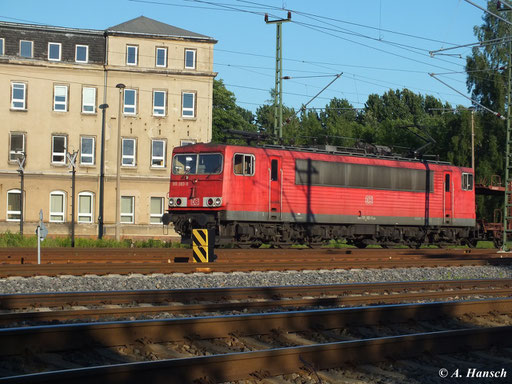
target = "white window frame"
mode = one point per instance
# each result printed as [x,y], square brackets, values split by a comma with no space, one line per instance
[86,53]
[24,100]
[31,48]
[164,65]
[157,158]
[194,60]
[128,46]
[2,46]
[156,215]
[58,103]
[159,111]
[131,159]
[61,214]
[63,154]
[12,213]
[134,106]
[86,217]
[88,104]
[467,181]
[12,153]
[129,215]
[60,51]
[188,109]
[246,158]
[87,155]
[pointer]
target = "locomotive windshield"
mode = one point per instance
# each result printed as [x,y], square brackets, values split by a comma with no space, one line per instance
[197,164]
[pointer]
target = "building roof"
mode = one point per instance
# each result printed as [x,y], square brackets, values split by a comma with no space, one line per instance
[145,26]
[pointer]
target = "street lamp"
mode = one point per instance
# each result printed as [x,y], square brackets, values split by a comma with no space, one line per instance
[103,107]
[118,176]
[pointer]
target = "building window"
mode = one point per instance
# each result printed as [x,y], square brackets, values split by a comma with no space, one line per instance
[161,57]
[57,206]
[60,98]
[127,209]
[26,48]
[190,58]
[156,210]
[130,99]
[87,150]
[82,53]
[128,153]
[18,95]
[54,51]
[13,205]
[2,45]
[85,207]
[158,103]
[88,100]
[131,54]
[59,149]
[158,153]
[17,146]
[188,107]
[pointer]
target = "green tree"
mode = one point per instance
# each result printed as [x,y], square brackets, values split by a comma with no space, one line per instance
[227,115]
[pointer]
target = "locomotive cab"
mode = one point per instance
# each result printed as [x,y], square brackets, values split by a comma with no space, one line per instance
[196,185]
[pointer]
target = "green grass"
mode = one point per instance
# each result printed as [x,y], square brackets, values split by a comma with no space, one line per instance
[9,239]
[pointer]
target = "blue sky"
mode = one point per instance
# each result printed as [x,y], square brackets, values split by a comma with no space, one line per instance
[377,44]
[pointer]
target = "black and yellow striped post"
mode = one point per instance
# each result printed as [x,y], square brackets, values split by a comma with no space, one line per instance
[203,241]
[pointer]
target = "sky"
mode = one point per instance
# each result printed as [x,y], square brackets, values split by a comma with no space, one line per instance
[377,45]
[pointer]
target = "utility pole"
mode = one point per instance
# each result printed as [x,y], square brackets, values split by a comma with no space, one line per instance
[103,107]
[72,164]
[278,90]
[507,203]
[118,175]
[473,139]
[21,170]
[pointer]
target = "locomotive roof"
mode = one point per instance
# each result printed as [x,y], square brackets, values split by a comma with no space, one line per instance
[330,150]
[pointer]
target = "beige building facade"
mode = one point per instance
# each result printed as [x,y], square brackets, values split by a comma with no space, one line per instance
[157,81]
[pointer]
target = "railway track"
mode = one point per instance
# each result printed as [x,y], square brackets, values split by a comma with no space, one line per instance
[30,309]
[228,348]
[95,262]
[172,255]
[29,270]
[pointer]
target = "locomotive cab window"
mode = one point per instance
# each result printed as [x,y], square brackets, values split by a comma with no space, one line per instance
[467,181]
[194,164]
[447,185]
[243,164]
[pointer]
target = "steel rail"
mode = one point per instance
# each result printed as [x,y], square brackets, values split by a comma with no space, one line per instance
[65,337]
[248,365]
[134,312]
[28,270]
[170,255]
[59,299]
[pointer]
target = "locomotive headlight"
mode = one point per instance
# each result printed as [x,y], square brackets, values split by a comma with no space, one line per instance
[218,201]
[210,202]
[171,202]
[178,201]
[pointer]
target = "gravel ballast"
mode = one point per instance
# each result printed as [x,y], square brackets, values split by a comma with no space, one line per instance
[240,279]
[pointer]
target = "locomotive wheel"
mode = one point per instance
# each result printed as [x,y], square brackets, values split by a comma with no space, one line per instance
[360,244]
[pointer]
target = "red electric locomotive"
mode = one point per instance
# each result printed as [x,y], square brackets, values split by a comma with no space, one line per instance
[284,196]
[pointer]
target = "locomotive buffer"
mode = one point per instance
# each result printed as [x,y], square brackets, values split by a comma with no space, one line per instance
[203,241]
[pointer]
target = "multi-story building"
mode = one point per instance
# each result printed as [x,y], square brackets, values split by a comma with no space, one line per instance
[157,81]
